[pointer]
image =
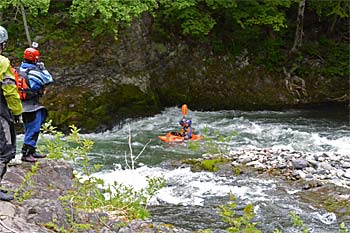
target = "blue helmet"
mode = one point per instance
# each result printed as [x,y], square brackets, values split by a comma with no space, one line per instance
[189,122]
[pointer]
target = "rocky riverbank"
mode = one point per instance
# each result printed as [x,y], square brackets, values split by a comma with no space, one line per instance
[36,208]
[322,179]
[294,165]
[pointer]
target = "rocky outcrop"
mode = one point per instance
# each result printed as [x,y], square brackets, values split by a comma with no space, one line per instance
[294,165]
[51,180]
[321,178]
[101,81]
[41,211]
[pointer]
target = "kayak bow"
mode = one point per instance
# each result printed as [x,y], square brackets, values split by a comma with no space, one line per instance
[176,137]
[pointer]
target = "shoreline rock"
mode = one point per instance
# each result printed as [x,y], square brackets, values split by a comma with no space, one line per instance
[324,167]
[320,179]
[42,212]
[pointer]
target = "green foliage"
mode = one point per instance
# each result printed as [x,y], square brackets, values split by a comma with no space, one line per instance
[298,222]
[34,7]
[339,8]
[25,191]
[91,193]
[211,164]
[108,16]
[59,146]
[237,224]
[343,228]
[271,53]
[53,226]
[270,13]
[204,231]
[198,17]
[333,57]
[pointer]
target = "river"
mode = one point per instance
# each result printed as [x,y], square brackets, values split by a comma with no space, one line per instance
[190,200]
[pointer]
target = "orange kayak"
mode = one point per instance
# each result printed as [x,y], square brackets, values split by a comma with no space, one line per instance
[176,137]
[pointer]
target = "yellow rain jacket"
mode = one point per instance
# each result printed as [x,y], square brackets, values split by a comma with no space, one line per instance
[9,88]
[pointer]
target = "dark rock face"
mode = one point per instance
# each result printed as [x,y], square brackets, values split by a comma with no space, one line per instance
[107,81]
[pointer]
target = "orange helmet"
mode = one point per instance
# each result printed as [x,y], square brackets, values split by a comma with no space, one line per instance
[31,54]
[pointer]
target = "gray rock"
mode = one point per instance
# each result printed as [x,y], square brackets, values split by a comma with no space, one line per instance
[245,159]
[310,170]
[345,165]
[347,173]
[326,166]
[302,174]
[340,173]
[7,209]
[299,163]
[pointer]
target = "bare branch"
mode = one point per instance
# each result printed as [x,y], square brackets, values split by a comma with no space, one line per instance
[143,149]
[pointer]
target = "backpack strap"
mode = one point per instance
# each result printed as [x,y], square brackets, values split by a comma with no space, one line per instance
[29,93]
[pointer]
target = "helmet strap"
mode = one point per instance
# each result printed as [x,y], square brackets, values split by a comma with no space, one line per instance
[2,46]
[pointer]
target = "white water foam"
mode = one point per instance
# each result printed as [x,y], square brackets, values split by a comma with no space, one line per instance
[183,186]
[341,145]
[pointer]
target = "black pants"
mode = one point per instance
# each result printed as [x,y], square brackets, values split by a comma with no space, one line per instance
[7,144]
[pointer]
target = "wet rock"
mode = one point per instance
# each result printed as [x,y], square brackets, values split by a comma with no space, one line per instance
[150,227]
[245,159]
[347,173]
[302,174]
[317,166]
[51,180]
[256,164]
[326,166]
[345,165]
[340,173]
[299,163]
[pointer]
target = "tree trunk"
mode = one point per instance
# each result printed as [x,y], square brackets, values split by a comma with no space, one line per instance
[300,24]
[331,29]
[25,25]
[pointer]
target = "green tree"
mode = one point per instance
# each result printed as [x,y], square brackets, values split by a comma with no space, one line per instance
[108,16]
[330,10]
[27,6]
[198,17]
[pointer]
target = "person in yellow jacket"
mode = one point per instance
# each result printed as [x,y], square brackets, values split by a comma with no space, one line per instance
[10,112]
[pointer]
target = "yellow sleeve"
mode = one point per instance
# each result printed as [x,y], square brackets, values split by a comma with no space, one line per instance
[9,88]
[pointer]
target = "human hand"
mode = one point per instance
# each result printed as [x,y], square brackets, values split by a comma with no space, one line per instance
[18,119]
[41,65]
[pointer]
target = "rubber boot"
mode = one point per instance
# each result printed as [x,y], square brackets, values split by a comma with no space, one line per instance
[39,156]
[4,196]
[27,154]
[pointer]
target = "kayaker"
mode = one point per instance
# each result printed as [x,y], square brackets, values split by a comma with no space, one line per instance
[186,131]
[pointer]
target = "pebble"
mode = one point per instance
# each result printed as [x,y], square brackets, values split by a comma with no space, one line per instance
[327,167]
[347,173]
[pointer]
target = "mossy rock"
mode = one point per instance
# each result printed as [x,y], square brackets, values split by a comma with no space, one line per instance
[212,165]
[329,197]
[91,112]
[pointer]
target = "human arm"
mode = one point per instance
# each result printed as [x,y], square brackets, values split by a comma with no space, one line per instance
[38,79]
[9,87]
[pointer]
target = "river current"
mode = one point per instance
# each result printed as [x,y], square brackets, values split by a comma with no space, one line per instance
[190,200]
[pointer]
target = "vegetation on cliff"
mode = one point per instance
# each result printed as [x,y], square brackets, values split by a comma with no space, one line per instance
[212,54]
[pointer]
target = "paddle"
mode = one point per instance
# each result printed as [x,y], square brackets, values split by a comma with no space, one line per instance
[184,110]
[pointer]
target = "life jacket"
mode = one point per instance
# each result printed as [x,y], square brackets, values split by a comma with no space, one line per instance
[23,86]
[186,131]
